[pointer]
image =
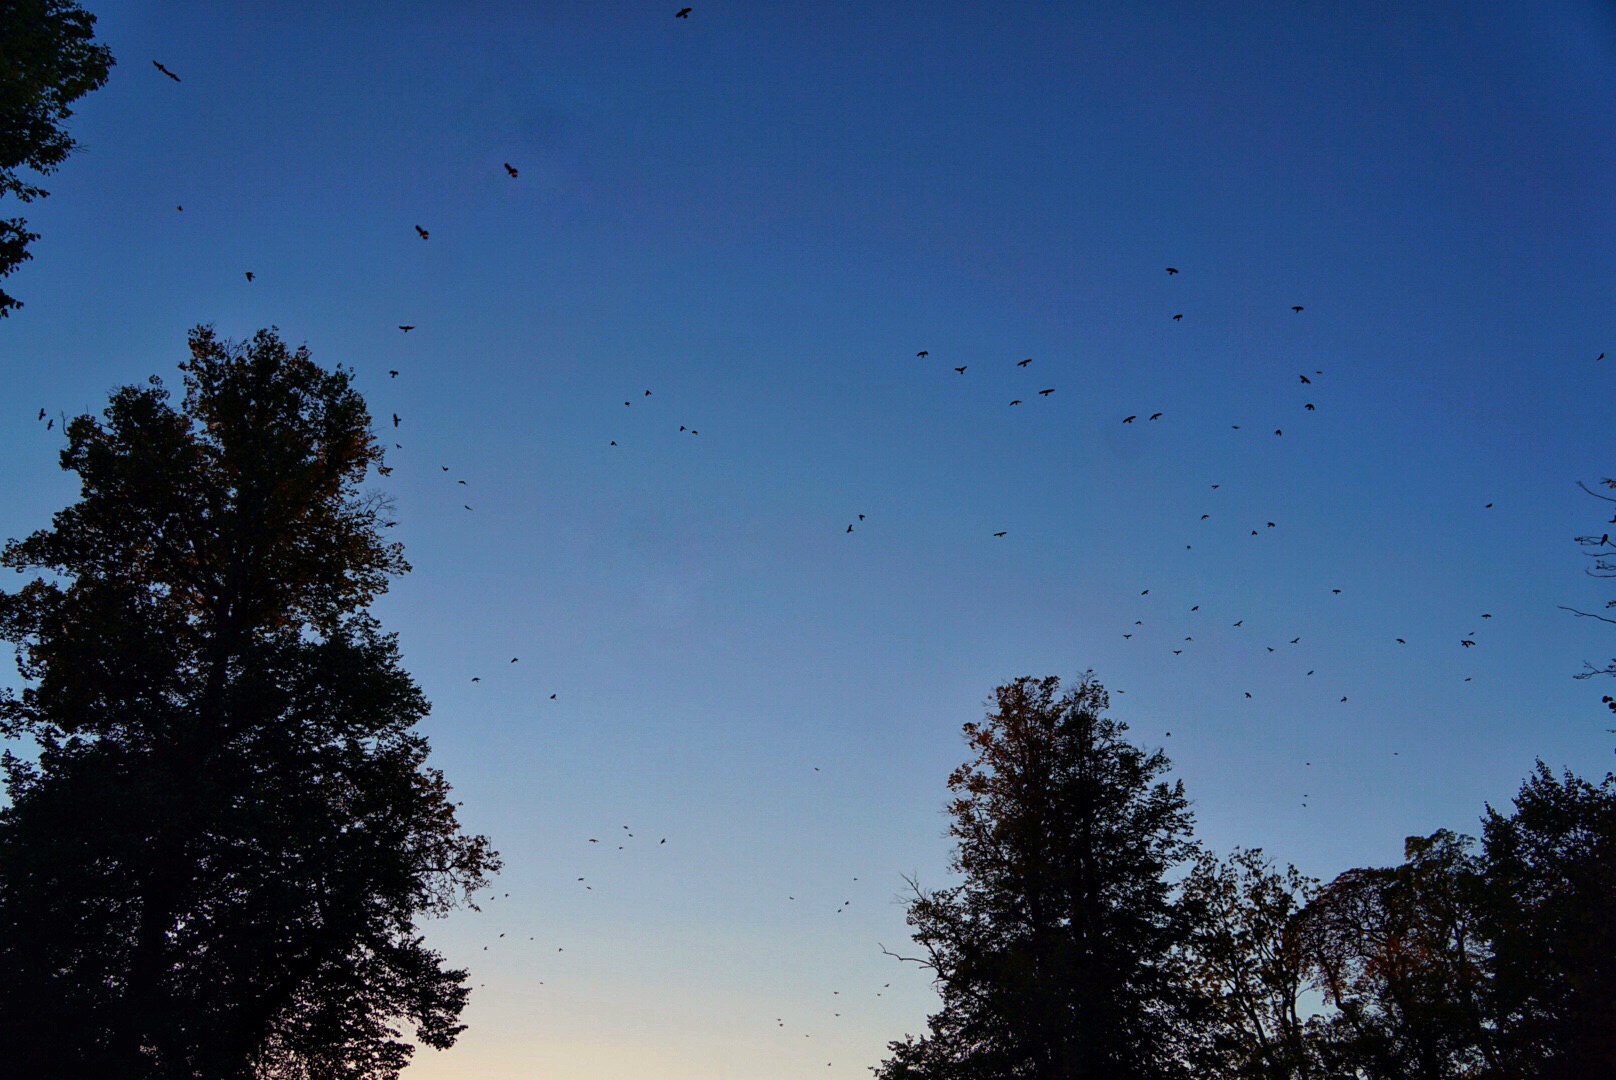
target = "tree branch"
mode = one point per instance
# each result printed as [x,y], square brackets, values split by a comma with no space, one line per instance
[1587,614]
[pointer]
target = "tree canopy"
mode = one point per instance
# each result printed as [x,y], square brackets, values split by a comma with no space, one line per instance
[215,864]
[1053,954]
[48,59]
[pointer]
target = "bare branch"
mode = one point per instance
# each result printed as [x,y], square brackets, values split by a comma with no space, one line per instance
[1587,614]
[1594,493]
[906,959]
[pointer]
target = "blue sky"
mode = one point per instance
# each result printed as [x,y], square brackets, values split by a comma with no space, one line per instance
[761,214]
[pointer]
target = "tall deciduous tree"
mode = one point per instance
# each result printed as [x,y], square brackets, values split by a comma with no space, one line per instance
[48,59]
[1401,955]
[1053,955]
[1551,917]
[1244,961]
[215,865]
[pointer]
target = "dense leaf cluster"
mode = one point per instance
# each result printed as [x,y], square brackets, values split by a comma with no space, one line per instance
[48,59]
[215,864]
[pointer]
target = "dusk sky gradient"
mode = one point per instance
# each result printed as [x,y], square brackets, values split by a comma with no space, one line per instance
[760,214]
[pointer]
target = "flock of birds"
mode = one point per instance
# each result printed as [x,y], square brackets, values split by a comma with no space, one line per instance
[1137,632]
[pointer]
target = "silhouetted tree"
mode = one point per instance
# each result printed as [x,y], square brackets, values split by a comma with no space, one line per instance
[1244,961]
[1551,917]
[48,60]
[215,865]
[1400,954]
[1053,955]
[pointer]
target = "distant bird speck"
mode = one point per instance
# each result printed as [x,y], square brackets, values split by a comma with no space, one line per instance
[407,329]
[1172,269]
[422,233]
[510,169]
[165,71]
[682,13]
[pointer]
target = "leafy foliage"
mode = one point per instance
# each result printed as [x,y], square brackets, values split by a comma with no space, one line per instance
[1053,955]
[215,865]
[1245,963]
[48,60]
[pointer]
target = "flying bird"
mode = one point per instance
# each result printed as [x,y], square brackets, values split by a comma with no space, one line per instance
[1305,379]
[1296,308]
[1001,534]
[395,420]
[42,414]
[422,232]
[1155,416]
[1308,406]
[407,329]
[1172,269]
[1129,419]
[1400,641]
[923,353]
[1046,393]
[249,275]
[391,374]
[961,370]
[1016,402]
[682,13]
[1177,317]
[165,71]
[510,169]
[1024,363]
[1467,643]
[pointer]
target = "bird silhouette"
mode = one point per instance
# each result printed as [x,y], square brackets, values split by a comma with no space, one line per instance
[165,71]
[391,374]
[1046,393]
[422,232]
[850,528]
[1177,317]
[1305,379]
[1172,269]
[961,370]
[1024,363]
[395,420]
[249,275]
[1296,308]
[682,13]
[923,353]
[1016,402]
[1308,406]
[1400,641]
[1001,534]
[407,329]
[510,169]
[1467,643]
[1155,416]
[42,414]
[1129,419]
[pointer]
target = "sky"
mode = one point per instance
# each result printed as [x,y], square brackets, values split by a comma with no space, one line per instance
[761,214]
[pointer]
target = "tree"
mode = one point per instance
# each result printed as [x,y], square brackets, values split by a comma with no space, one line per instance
[1053,954]
[1400,954]
[48,60]
[1551,917]
[215,864]
[1244,960]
